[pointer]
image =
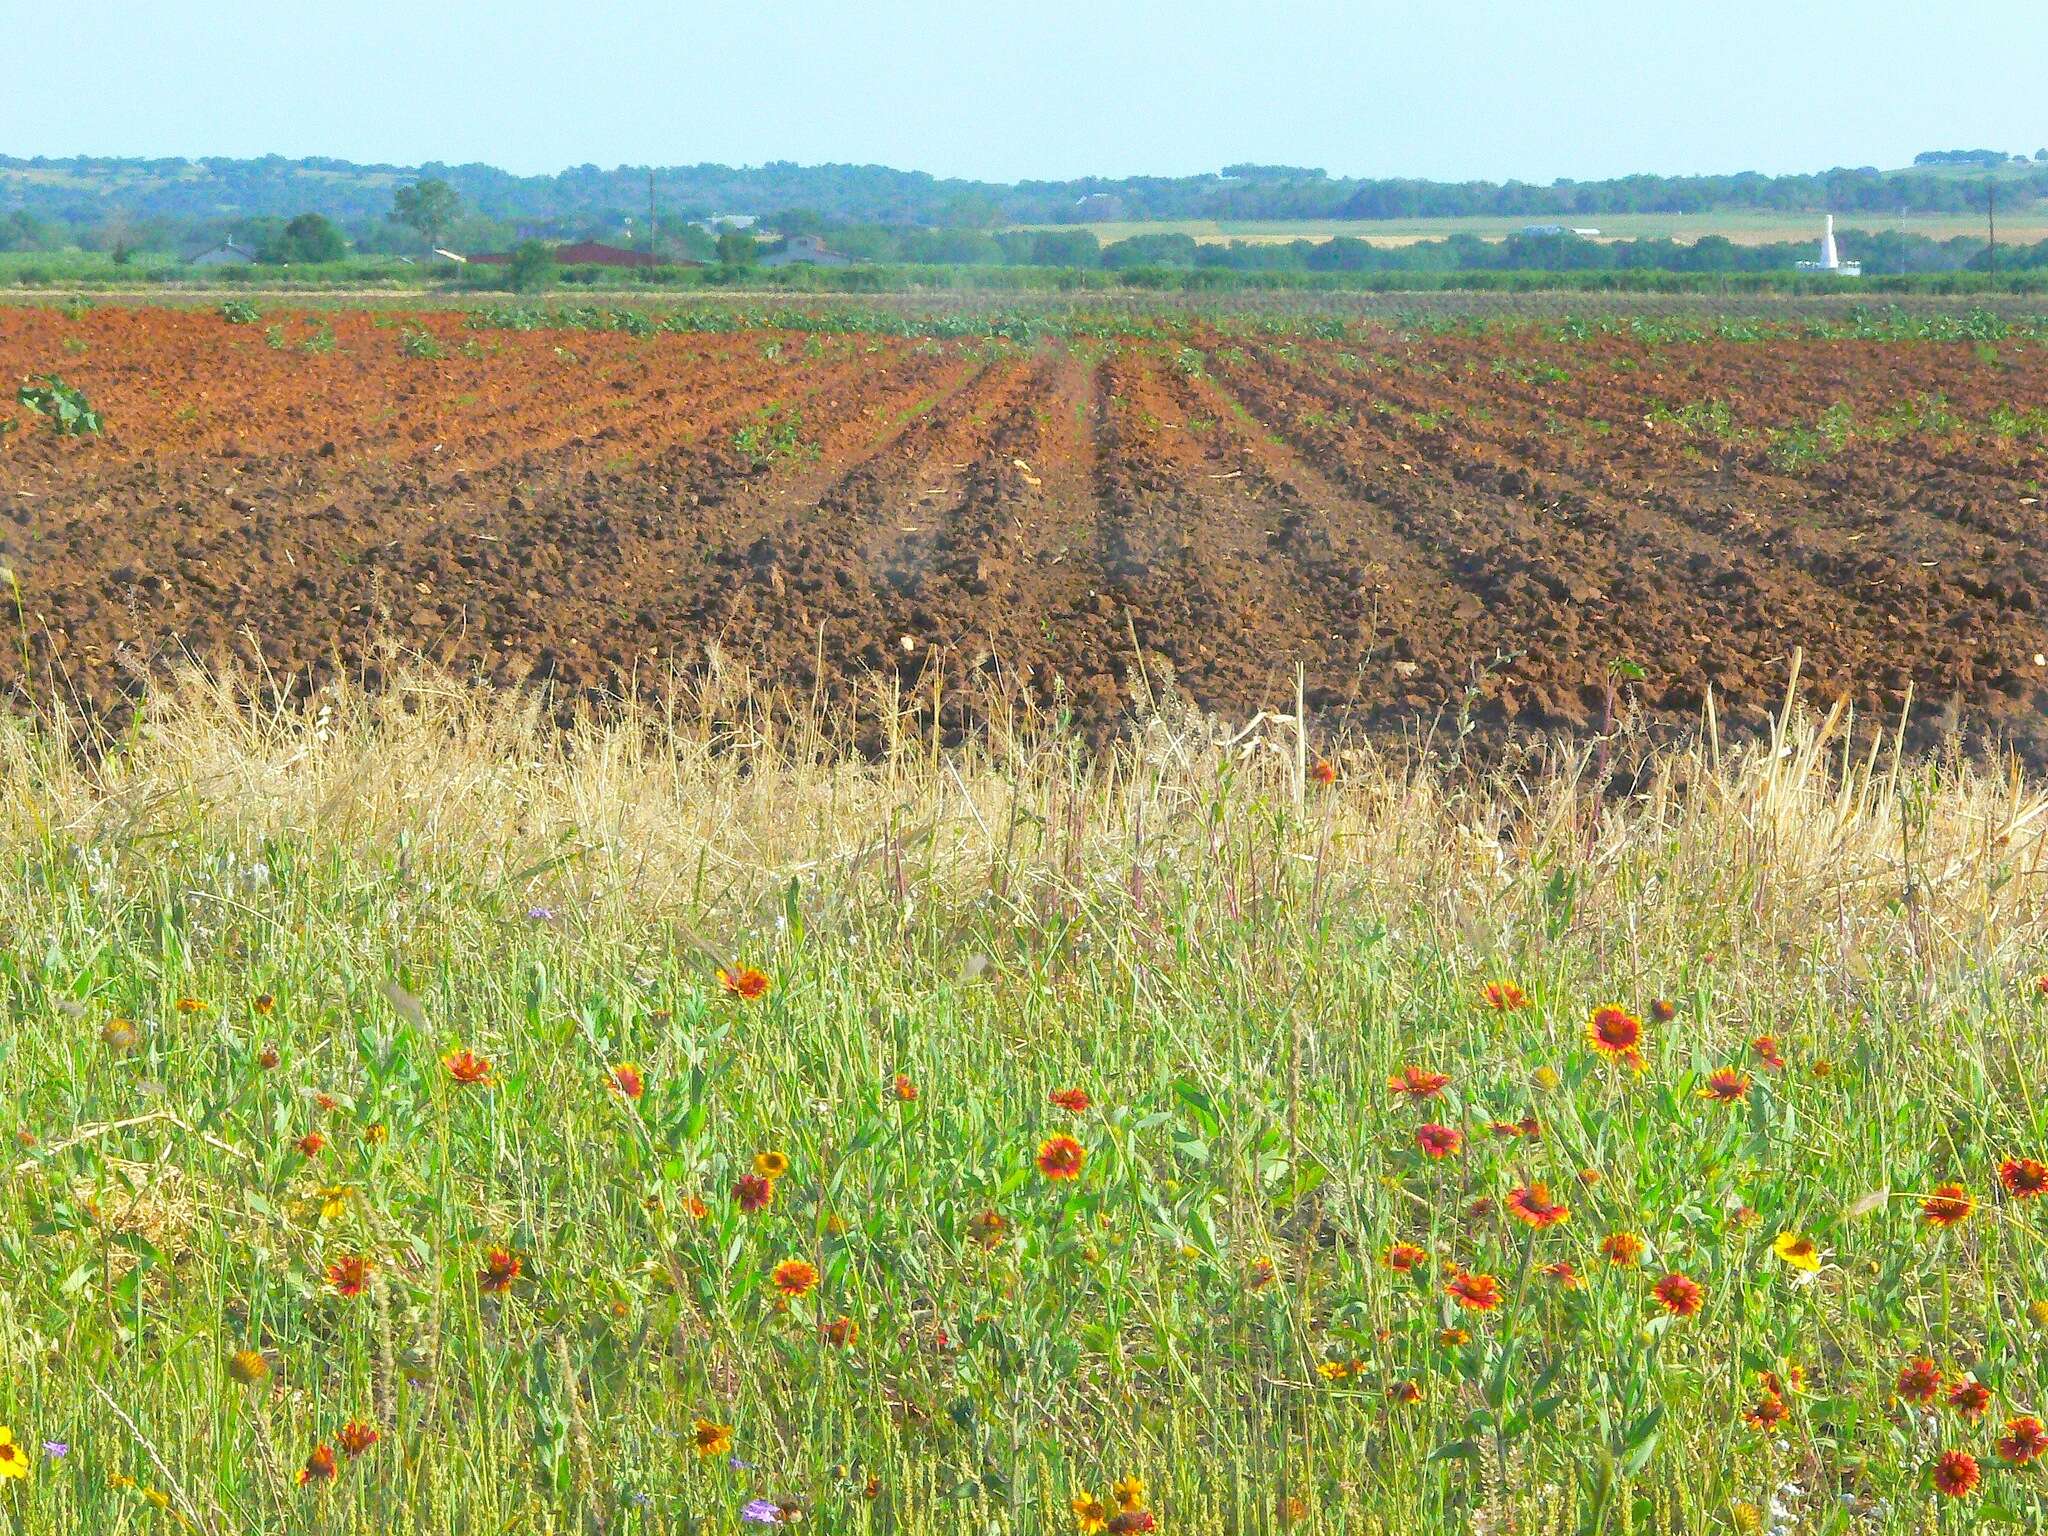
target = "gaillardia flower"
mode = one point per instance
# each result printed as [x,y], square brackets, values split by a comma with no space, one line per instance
[1475,1293]
[1061,1157]
[794,1277]
[1949,1206]
[1679,1295]
[1615,1032]
[746,983]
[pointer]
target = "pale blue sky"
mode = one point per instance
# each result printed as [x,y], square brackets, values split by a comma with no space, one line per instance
[1536,89]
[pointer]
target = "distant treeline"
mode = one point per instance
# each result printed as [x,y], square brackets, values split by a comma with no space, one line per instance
[84,272]
[1886,252]
[1881,251]
[84,193]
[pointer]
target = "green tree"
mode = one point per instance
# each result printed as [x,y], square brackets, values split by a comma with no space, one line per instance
[971,210]
[799,221]
[1150,251]
[532,266]
[311,237]
[429,206]
[736,249]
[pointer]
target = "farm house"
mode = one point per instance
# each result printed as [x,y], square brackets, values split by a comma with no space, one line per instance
[806,250]
[226,254]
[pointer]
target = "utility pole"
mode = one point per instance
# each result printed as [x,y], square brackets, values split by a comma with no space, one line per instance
[1991,219]
[653,239]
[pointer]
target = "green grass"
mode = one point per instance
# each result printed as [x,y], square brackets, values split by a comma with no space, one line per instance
[1230,961]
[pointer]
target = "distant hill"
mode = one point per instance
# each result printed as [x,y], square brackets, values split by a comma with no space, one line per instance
[85,191]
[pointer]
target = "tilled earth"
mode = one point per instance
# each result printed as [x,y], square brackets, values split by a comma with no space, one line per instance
[1446,533]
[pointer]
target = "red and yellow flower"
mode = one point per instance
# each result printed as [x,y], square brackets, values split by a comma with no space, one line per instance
[1615,1032]
[1955,1474]
[1621,1249]
[1475,1293]
[1419,1083]
[1061,1157]
[1949,1206]
[2025,1440]
[501,1268]
[794,1277]
[1919,1380]
[744,983]
[1531,1204]
[349,1275]
[1438,1141]
[1679,1295]
[2023,1177]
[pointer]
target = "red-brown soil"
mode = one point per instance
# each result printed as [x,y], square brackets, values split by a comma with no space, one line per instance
[1445,532]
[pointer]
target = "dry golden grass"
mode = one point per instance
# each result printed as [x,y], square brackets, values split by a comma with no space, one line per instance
[712,804]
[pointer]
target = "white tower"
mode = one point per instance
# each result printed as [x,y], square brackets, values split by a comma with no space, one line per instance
[1831,258]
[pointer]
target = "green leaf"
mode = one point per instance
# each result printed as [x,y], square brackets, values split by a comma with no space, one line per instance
[1197,1099]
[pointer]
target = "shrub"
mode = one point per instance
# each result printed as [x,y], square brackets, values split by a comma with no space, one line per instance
[532,267]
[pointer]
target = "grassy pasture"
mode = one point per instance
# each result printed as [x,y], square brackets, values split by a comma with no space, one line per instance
[2019,225]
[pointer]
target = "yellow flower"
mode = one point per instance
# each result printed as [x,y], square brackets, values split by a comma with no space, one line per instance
[1545,1077]
[1090,1513]
[248,1367]
[333,1201]
[711,1439]
[770,1165]
[1129,1493]
[13,1459]
[1798,1250]
[2037,1313]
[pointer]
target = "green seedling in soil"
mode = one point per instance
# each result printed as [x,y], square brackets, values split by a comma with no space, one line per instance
[66,409]
[776,432]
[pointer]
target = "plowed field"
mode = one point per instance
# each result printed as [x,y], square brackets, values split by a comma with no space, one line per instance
[1436,528]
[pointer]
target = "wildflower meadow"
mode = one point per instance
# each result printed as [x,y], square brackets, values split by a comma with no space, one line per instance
[422,1119]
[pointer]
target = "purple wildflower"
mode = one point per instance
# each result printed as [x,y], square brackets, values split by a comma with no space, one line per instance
[56,1450]
[762,1512]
